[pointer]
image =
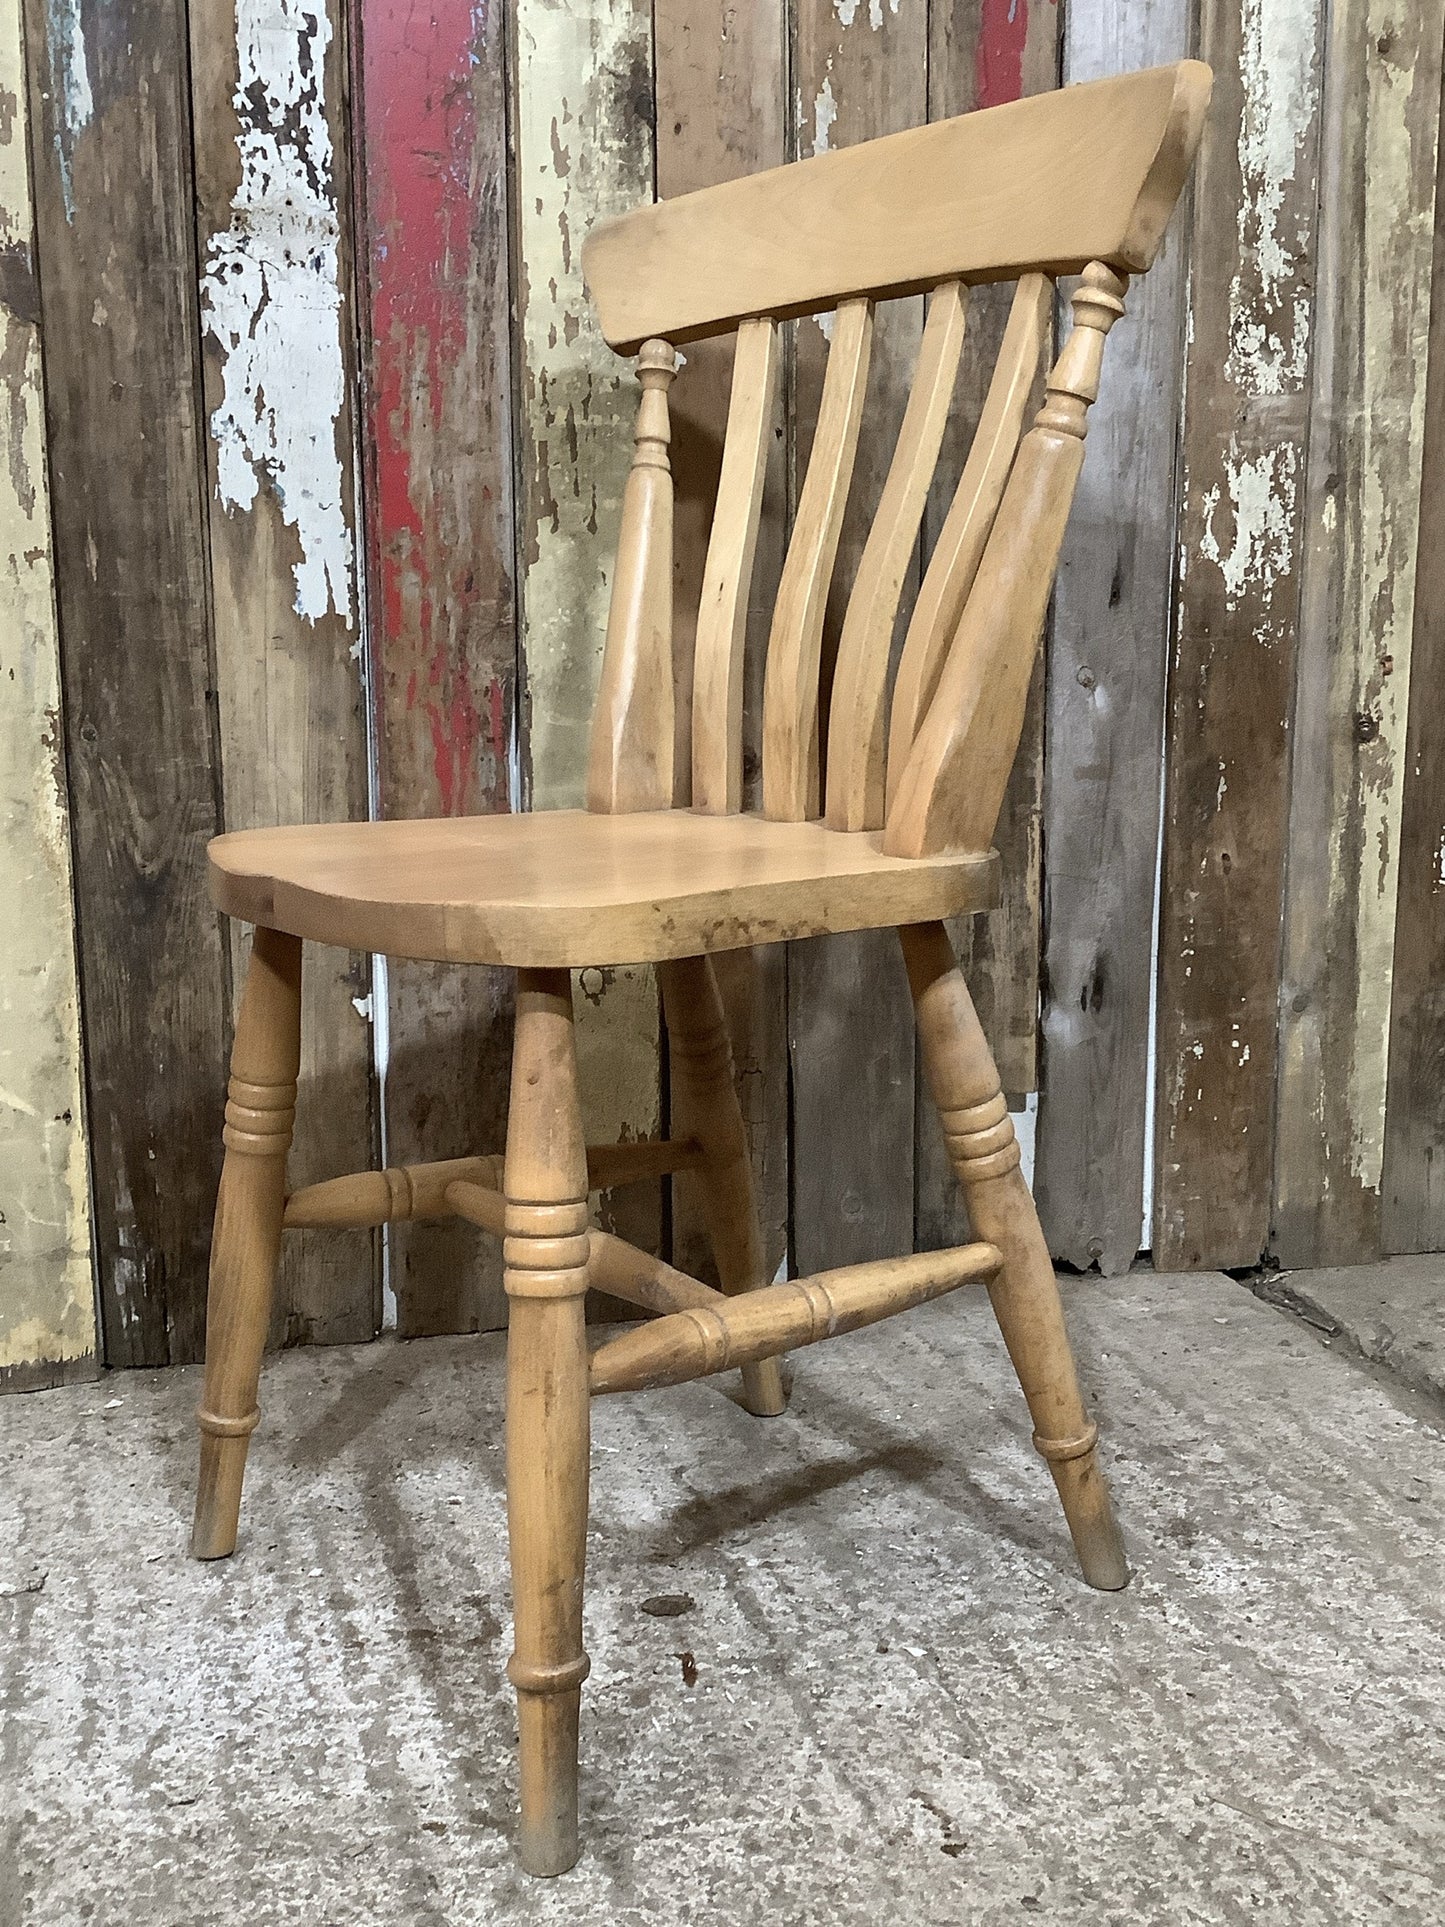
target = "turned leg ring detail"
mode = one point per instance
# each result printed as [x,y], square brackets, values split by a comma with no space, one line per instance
[1056,1450]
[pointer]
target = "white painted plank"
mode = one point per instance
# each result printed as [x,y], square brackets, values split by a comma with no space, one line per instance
[47,1305]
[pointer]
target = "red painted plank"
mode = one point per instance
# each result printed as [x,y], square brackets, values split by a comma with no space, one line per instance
[432,128]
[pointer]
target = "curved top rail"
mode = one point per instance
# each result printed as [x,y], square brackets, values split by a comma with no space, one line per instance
[1051,183]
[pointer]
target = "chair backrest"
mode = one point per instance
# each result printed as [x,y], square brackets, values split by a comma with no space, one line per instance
[1082,181]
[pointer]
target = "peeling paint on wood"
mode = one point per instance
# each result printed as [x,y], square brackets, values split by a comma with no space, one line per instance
[47,1296]
[116,243]
[432,140]
[273,208]
[271,296]
[1362,505]
[1246,412]
[584,150]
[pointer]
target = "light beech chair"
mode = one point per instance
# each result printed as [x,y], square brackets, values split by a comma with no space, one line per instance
[892,830]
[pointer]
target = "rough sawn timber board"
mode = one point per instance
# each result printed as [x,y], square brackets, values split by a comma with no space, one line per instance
[1362,497]
[1108,666]
[432,129]
[115,215]
[47,1292]
[1246,409]
[273,208]
[1413,1210]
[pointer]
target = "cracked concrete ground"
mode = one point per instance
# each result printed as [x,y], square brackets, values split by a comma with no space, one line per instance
[900,1705]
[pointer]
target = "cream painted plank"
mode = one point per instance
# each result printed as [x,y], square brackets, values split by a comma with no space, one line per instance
[584,151]
[47,1295]
[1362,514]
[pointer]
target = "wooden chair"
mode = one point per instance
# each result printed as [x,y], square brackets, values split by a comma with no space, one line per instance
[1078,182]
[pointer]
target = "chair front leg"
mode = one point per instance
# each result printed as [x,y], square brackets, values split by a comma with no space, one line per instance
[260,1112]
[548,1419]
[705,1107]
[981,1144]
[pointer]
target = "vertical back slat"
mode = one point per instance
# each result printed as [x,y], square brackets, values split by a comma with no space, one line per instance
[954,783]
[790,693]
[860,684]
[956,555]
[717,700]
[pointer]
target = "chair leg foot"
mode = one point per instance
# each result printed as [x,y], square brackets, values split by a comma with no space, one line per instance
[548,1411]
[764,1393]
[246,1241]
[705,1107]
[1092,1525]
[218,1495]
[547,1842]
[1025,1295]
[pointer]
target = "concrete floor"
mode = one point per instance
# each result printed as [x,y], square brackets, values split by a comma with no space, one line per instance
[906,1709]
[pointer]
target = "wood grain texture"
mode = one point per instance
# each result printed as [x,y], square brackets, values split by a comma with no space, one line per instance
[857,73]
[1413,1205]
[584,149]
[431,131]
[983,53]
[721,88]
[958,769]
[1361,520]
[793,705]
[116,246]
[1032,186]
[1245,413]
[862,674]
[273,207]
[1108,668]
[558,887]
[47,1294]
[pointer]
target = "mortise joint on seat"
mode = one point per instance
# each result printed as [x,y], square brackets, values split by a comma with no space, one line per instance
[1057,1450]
[562,1676]
[227,1428]
[259,1118]
[545,1249]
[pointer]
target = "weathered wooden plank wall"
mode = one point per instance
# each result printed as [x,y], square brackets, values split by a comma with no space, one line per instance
[47,1296]
[337,530]
[273,208]
[1108,666]
[116,247]
[1413,1214]
[1246,414]
[584,148]
[431,130]
[1381,112]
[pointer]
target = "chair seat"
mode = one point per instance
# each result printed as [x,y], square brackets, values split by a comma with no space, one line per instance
[565,887]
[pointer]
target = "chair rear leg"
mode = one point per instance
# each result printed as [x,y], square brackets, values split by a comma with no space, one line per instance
[548,1422]
[705,1107]
[965,1085]
[260,1112]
